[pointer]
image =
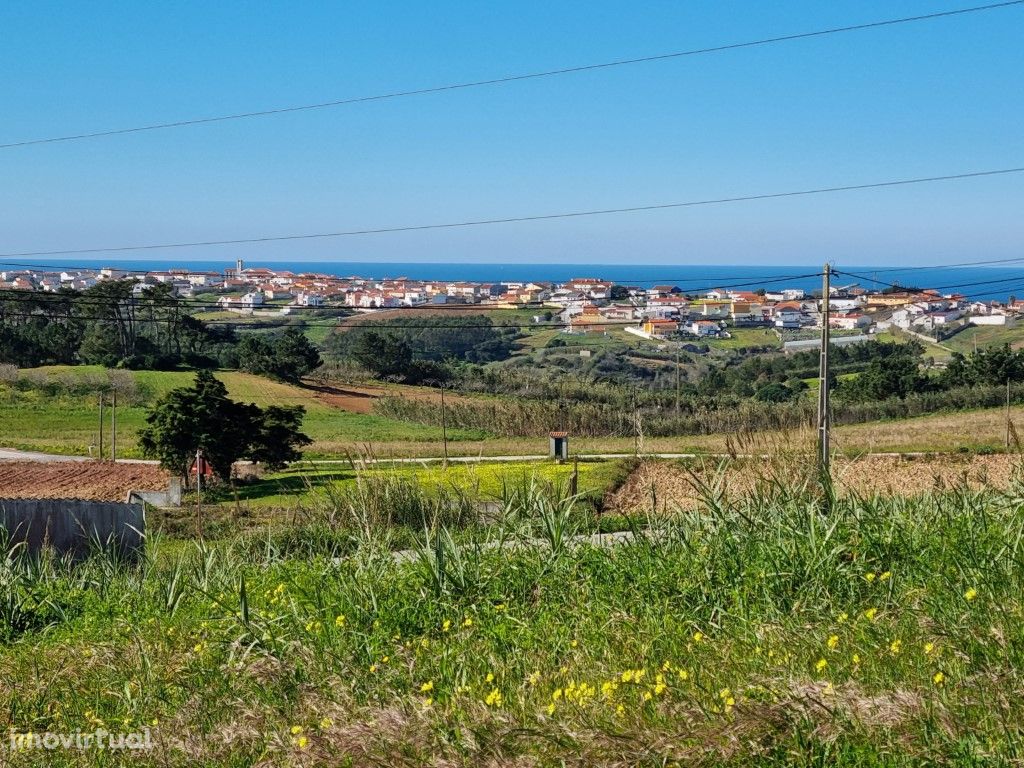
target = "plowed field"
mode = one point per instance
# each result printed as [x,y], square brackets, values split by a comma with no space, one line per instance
[77,480]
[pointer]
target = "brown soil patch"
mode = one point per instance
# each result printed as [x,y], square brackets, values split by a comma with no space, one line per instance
[92,480]
[665,484]
[355,399]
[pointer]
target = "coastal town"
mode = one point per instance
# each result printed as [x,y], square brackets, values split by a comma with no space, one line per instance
[583,305]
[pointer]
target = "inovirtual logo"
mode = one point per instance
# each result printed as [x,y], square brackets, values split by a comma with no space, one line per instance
[99,739]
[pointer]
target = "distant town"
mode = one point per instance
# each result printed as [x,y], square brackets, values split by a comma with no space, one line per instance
[583,305]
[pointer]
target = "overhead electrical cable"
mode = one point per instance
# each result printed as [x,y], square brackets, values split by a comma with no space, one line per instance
[520,219]
[513,78]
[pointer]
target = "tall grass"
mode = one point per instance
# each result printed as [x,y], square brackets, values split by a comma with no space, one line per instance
[764,628]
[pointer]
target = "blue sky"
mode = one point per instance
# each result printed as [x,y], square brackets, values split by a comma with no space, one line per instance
[935,97]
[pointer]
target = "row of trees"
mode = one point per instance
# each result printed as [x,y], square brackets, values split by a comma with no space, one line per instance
[418,349]
[106,325]
[109,325]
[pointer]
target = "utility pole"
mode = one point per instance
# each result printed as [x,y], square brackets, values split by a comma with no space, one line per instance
[677,381]
[199,492]
[823,393]
[101,426]
[1007,414]
[444,426]
[113,425]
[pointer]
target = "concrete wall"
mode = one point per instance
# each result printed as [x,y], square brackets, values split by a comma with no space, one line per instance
[73,526]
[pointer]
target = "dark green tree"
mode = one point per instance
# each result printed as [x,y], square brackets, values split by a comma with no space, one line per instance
[382,354]
[285,357]
[203,417]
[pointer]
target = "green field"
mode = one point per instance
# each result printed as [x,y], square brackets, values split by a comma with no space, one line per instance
[745,338]
[68,423]
[303,485]
[985,336]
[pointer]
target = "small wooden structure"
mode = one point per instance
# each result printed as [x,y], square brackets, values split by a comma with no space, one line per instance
[558,447]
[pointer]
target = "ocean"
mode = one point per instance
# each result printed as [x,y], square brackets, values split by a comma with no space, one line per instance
[977,282]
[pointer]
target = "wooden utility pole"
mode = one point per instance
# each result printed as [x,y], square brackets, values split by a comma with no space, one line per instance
[823,393]
[113,425]
[1007,414]
[101,426]
[444,426]
[677,381]
[199,492]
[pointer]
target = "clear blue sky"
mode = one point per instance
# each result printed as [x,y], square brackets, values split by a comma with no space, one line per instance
[935,97]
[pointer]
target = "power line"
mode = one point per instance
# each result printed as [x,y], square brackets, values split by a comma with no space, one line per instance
[70,302]
[15,294]
[517,78]
[1011,284]
[986,262]
[520,219]
[338,278]
[1015,279]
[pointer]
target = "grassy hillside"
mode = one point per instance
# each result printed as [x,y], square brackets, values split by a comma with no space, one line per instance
[759,631]
[64,422]
[985,336]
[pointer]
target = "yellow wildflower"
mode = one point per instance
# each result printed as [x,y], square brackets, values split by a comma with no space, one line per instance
[698,636]
[842,617]
[648,695]
[869,576]
[467,622]
[302,742]
[326,723]
[856,658]
[534,678]
[820,665]
[833,642]
[970,594]
[885,576]
[551,708]
[296,730]
[929,648]
[427,686]
[894,647]
[494,699]
[620,711]
[659,685]
[683,674]
[373,668]
[446,626]
[870,614]
[339,620]
[489,678]
[938,678]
